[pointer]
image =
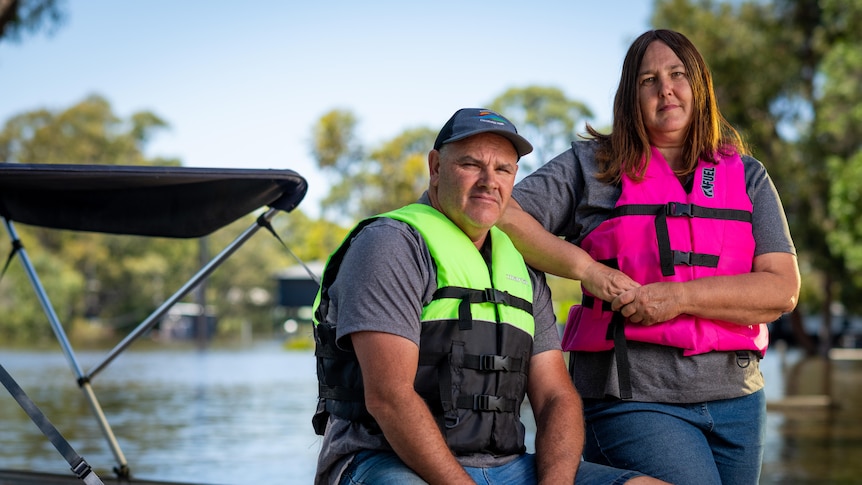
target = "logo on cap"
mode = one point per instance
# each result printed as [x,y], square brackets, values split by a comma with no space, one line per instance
[491,117]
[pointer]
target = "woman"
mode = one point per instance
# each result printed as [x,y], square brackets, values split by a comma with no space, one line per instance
[665,351]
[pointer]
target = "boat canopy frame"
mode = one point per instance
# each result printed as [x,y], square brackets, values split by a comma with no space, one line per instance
[153,201]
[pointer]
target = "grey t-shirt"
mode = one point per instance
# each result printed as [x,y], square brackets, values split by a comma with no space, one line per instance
[565,197]
[387,276]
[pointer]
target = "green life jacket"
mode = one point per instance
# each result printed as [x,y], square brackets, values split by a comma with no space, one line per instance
[475,344]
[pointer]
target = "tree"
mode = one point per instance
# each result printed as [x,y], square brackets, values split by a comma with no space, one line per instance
[18,17]
[86,133]
[838,133]
[543,115]
[367,183]
[113,278]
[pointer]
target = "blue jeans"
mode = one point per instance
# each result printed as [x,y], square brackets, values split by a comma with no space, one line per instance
[385,468]
[704,444]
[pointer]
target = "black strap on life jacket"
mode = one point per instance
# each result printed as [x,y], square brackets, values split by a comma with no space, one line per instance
[590,301]
[669,257]
[617,333]
[484,362]
[340,393]
[471,295]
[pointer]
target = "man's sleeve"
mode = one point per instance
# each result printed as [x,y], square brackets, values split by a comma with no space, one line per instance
[382,282]
[547,335]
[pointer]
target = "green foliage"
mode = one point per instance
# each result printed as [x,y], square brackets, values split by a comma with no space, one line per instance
[102,285]
[543,115]
[23,318]
[335,145]
[845,207]
[565,293]
[86,133]
[97,278]
[396,172]
[391,175]
[19,17]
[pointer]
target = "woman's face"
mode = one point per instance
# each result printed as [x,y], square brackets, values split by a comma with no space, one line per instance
[664,95]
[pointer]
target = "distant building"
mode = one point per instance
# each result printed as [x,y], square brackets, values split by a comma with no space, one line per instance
[296,289]
[182,322]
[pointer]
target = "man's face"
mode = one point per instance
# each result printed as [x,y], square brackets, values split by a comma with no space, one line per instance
[472,180]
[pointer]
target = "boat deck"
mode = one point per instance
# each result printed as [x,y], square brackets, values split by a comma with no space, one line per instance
[15,477]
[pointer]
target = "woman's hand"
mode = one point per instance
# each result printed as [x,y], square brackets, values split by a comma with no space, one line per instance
[649,304]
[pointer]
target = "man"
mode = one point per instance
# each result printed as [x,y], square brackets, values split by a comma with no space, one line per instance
[430,330]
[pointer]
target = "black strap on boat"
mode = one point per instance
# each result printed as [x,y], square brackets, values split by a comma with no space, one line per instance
[264,222]
[617,333]
[16,246]
[488,295]
[80,467]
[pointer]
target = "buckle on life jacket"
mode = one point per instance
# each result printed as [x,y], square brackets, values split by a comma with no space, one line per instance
[485,402]
[682,257]
[494,362]
[493,295]
[677,209]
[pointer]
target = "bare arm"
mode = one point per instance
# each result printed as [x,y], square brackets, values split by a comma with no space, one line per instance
[770,289]
[559,418]
[547,252]
[389,364]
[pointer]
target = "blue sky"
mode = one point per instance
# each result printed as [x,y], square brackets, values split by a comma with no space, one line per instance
[242,83]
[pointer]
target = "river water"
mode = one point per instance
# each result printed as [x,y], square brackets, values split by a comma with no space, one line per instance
[243,416]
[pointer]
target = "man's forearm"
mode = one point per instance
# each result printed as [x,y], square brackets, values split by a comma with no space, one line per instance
[412,431]
[559,441]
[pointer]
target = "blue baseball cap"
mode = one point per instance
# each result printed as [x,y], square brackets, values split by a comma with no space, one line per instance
[467,122]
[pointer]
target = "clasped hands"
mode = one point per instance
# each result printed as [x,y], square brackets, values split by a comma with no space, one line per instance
[644,304]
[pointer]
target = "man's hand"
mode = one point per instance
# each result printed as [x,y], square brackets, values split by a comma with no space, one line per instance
[605,282]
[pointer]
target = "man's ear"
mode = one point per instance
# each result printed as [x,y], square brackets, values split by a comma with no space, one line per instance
[434,166]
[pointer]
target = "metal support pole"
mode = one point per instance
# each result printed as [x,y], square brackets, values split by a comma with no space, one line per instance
[67,350]
[154,317]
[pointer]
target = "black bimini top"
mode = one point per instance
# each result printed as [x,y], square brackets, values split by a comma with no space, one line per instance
[180,202]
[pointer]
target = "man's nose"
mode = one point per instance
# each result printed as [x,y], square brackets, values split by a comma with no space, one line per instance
[488,177]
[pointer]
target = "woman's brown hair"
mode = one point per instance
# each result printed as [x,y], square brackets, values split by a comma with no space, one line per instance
[627,148]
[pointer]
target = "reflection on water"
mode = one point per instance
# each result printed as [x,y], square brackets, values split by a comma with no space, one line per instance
[244,416]
[224,417]
[814,444]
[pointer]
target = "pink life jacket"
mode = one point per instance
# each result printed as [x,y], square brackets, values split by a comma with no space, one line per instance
[658,232]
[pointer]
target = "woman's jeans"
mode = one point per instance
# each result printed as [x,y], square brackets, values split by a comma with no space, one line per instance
[716,442]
